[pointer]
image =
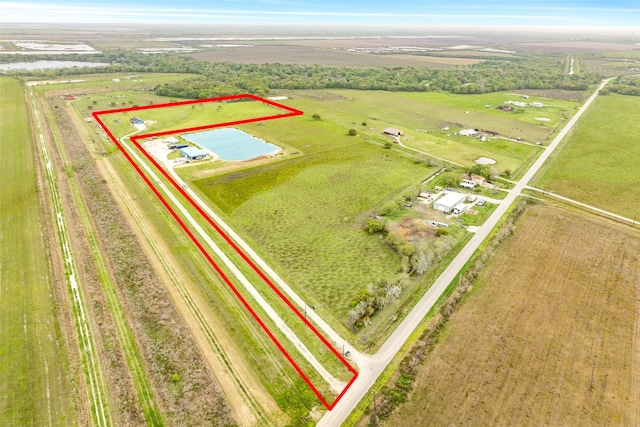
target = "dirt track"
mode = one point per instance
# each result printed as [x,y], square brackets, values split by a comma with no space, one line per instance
[550,337]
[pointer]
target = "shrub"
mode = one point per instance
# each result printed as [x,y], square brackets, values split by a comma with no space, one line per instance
[352,132]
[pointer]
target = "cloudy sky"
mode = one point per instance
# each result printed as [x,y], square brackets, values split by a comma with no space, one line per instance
[342,12]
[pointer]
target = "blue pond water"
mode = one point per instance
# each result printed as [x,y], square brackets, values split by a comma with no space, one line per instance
[232,144]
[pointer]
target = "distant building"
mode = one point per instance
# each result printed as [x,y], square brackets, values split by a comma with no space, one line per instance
[449,201]
[193,153]
[468,183]
[176,146]
[69,97]
[467,132]
[392,132]
[171,140]
[537,104]
[136,121]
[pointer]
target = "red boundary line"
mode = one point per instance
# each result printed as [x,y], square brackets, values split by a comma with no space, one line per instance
[134,139]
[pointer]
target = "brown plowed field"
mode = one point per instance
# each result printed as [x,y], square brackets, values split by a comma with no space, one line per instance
[550,336]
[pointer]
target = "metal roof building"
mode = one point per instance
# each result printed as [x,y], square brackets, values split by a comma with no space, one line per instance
[449,201]
[193,153]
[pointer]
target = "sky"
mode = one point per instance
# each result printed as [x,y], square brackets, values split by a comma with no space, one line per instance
[576,13]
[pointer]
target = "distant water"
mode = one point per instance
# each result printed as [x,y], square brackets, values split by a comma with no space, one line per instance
[232,144]
[49,65]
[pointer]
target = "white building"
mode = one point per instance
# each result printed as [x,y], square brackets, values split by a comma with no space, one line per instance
[447,202]
[459,208]
[468,183]
[468,132]
[537,104]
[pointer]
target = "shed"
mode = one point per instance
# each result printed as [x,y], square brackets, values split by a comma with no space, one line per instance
[447,202]
[459,208]
[171,140]
[193,153]
[392,132]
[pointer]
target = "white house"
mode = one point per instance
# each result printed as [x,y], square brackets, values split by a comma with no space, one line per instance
[468,132]
[468,183]
[447,202]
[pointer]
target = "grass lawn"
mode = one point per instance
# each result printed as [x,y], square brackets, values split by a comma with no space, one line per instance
[598,165]
[34,383]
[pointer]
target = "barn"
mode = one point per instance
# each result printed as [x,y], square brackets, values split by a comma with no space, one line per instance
[193,153]
[449,201]
[392,132]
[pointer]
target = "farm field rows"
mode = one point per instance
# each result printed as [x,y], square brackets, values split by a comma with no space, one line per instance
[598,164]
[36,386]
[548,336]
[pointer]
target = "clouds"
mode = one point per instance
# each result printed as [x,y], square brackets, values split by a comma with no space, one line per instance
[401,12]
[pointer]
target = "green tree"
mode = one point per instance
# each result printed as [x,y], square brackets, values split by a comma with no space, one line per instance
[316,117]
[352,132]
[451,179]
[374,226]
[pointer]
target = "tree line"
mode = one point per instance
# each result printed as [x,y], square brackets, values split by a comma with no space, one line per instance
[216,79]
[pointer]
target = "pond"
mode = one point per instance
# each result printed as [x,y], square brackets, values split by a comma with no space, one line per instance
[49,65]
[232,144]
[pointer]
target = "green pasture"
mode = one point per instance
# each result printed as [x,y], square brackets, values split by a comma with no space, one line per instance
[128,81]
[180,116]
[35,384]
[598,165]
[306,213]
[434,110]
[421,122]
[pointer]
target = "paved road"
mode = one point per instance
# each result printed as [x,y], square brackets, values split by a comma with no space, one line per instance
[390,348]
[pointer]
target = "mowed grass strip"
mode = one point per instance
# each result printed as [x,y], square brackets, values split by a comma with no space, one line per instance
[598,165]
[305,214]
[549,335]
[33,365]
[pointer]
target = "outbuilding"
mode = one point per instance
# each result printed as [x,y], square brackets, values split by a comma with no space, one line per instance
[449,201]
[459,208]
[193,153]
[392,132]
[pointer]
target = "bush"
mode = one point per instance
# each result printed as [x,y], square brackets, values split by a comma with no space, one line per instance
[374,226]
[352,132]
[316,117]
[442,232]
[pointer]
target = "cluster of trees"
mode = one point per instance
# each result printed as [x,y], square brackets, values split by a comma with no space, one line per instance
[216,79]
[627,85]
[417,259]
[489,76]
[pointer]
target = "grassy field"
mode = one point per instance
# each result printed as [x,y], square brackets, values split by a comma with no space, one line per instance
[549,335]
[598,164]
[310,208]
[421,117]
[35,385]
